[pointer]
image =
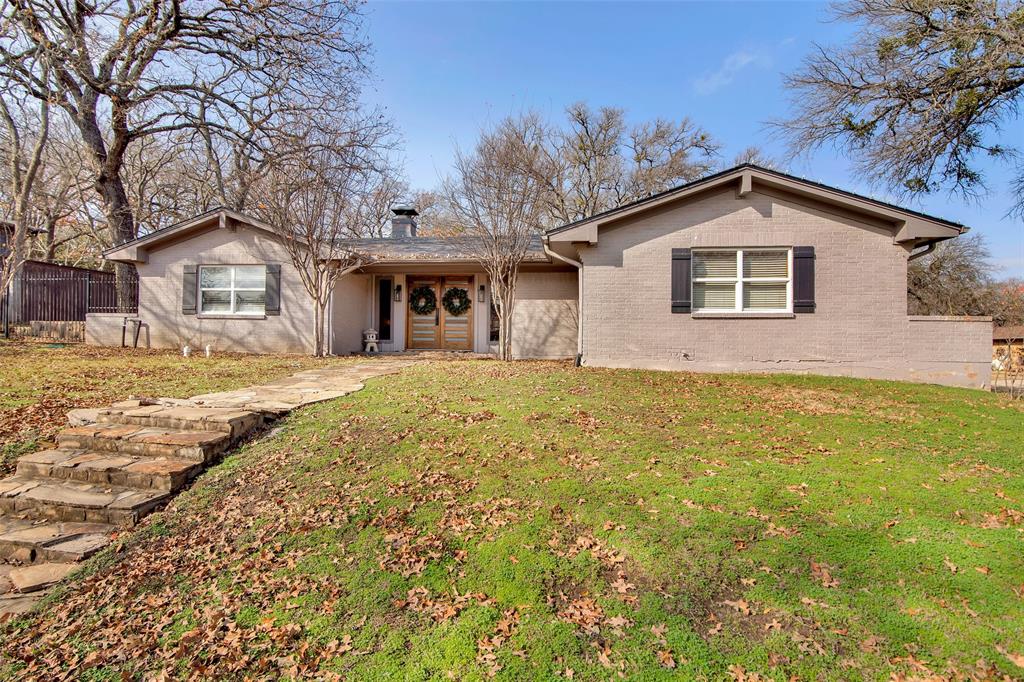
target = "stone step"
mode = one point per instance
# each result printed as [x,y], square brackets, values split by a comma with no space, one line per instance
[197,446]
[47,498]
[110,468]
[236,423]
[25,541]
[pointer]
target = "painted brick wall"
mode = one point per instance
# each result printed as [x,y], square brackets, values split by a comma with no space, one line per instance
[545,317]
[160,282]
[860,327]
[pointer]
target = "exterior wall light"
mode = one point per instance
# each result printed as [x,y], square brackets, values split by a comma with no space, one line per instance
[480,297]
[398,293]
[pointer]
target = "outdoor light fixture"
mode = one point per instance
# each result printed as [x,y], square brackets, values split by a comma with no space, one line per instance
[480,296]
[398,293]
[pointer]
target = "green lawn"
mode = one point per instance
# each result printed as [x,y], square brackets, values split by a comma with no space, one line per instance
[534,521]
[40,382]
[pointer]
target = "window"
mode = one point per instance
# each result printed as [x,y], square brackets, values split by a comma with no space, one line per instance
[232,289]
[384,308]
[741,280]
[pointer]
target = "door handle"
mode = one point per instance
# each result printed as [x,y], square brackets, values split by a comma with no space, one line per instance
[437,316]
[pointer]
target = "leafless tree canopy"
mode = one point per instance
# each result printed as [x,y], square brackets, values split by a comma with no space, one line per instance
[957,278]
[598,161]
[924,90]
[223,75]
[498,199]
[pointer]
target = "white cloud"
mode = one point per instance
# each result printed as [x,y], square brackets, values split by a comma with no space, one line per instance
[731,66]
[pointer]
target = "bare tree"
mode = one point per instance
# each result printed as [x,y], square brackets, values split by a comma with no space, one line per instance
[757,156]
[316,201]
[921,92]
[125,70]
[957,278]
[498,199]
[598,161]
[24,141]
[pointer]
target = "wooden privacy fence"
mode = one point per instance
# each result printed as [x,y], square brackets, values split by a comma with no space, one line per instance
[51,301]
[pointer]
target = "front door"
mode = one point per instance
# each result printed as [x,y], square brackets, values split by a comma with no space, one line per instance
[457,330]
[424,326]
[438,328]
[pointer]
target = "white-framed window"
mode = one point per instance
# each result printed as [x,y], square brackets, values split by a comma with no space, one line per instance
[743,280]
[232,289]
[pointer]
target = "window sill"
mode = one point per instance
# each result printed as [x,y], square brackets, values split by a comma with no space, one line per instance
[201,316]
[742,316]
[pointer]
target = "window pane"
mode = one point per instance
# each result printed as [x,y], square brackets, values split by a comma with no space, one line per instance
[765,264]
[714,264]
[250,302]
[251,277]
[214,277]
[216,302]
[764,296]
[384,309]
[716,295]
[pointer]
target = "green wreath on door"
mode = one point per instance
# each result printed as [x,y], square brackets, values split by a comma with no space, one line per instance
[423,300]
[456,301]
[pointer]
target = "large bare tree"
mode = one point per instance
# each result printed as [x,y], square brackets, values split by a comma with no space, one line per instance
[125,70]
[498,199]
[924,90]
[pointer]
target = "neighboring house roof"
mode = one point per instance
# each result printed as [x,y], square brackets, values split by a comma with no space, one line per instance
[1015,333]
[429,248]
[910,226]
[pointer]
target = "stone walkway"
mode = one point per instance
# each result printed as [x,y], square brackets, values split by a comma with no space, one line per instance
[120,463]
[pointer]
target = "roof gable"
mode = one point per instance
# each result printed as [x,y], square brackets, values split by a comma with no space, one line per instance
[908,226]
[136,250]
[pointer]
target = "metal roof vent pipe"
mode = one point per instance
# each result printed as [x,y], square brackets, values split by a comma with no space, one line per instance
[404,222]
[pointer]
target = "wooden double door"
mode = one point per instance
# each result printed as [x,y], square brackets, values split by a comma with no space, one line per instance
[439,329]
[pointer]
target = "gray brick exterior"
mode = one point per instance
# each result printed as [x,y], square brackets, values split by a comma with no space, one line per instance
[860,327]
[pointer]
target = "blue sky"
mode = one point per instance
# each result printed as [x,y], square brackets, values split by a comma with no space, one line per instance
[443,70]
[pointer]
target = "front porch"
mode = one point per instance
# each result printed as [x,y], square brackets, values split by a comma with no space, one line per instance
[406,305]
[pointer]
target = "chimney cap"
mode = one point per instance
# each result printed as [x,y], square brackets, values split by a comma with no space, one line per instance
[404,209]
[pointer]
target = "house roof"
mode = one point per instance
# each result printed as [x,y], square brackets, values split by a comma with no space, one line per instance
[1013,333]
[910,226]
[382,250]
[428,249]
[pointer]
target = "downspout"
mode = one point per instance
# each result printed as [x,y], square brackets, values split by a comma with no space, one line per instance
[579,296]
[914,256]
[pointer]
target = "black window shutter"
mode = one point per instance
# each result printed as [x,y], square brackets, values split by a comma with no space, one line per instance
[189,290]
[681,298]
[803,279]
[273,289]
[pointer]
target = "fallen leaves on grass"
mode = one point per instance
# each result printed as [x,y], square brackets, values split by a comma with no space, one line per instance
[822,574]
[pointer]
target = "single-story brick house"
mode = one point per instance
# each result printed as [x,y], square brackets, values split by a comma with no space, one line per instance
[745,270]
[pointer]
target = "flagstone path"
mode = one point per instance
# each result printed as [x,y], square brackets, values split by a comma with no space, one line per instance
[120,463]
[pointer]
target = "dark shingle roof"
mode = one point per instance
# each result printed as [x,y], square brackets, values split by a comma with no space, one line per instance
[428,248]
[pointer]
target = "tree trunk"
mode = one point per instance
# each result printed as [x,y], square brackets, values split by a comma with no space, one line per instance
[319,313]
[116,207]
